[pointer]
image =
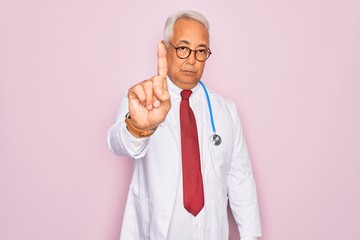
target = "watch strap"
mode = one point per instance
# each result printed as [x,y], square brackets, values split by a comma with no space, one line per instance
[131,128]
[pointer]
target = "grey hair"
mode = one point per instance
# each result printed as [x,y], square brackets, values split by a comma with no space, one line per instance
[186,14]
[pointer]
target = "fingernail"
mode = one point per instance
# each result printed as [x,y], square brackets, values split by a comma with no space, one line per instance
[150,106]
[157,104]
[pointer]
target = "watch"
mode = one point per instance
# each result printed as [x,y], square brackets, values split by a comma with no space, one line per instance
[132,129]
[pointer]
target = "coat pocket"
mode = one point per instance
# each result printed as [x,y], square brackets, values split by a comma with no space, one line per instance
[142,208]
[217,226]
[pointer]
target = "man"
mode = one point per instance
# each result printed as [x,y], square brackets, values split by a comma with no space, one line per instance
[183,177]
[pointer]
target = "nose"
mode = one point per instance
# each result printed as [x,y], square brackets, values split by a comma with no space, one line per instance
[191,59]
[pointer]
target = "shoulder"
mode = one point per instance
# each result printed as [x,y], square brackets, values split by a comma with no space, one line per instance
[221,100]
[223,106]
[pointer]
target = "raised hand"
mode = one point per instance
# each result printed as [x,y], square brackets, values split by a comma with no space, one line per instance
[149,101]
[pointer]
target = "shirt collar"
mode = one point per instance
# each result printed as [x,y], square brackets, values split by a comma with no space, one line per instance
[175,90]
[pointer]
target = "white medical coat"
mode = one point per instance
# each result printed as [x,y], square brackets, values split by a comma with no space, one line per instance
[226,169]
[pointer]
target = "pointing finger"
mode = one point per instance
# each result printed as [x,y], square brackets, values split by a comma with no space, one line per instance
[162,61]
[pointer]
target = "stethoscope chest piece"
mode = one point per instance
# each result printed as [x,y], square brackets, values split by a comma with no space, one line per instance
[215,139]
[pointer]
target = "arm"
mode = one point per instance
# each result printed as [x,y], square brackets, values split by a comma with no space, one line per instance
[147,103]
[241,186]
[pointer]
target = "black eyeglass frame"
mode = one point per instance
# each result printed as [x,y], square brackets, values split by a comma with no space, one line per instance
[190,51]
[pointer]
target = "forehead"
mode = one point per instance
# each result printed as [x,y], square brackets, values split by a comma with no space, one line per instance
[190,31]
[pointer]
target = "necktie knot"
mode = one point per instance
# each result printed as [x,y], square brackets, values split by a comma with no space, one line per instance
[185,94]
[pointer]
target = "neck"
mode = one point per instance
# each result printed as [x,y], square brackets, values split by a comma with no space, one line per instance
[185,85]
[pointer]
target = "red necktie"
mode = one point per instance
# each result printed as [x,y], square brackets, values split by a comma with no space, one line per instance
[191,167]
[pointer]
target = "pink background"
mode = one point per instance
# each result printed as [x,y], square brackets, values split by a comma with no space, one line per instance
[292,67]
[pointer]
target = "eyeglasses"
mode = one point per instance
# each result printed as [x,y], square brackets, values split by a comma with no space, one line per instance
[184,52]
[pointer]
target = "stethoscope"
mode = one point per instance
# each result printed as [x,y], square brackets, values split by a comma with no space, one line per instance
[214,138]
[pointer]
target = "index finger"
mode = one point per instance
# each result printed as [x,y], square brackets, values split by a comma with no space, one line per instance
[162,61]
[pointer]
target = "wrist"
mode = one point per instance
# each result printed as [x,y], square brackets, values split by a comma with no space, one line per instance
[138,133]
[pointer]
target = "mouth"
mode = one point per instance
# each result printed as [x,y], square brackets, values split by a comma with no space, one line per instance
[188,72]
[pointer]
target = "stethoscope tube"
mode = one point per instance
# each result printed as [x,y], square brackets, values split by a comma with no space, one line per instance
[215,138]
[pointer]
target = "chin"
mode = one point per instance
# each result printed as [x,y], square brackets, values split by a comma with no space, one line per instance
[185,81]
[190,84]
[190,78]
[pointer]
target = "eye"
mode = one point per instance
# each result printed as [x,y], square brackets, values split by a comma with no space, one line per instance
[201,51]
[182,49]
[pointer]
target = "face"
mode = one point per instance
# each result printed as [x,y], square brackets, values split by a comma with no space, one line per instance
[186,73]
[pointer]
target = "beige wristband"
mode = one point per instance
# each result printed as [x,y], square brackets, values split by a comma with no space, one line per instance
[136,131]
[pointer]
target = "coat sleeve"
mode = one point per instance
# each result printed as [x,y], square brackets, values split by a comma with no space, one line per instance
[241,185]
[120,141]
